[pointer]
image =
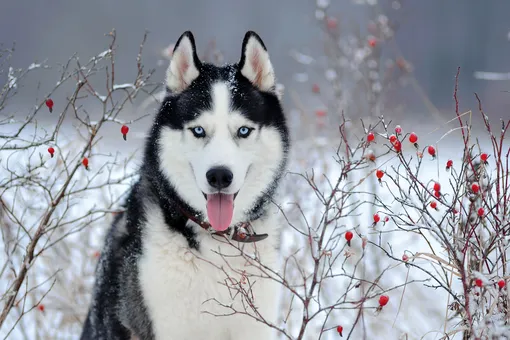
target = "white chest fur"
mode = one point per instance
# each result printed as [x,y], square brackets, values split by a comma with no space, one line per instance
[187,291]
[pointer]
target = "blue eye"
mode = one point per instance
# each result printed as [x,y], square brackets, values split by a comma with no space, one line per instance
[244,132]
[198,131]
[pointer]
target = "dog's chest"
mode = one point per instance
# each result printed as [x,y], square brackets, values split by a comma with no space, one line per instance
[184,289]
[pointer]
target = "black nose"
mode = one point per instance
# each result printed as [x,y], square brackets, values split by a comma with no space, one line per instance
[219,177]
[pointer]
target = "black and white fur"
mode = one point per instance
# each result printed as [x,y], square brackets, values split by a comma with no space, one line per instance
[156,270]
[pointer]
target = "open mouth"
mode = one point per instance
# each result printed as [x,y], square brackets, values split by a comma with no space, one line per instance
[220,209]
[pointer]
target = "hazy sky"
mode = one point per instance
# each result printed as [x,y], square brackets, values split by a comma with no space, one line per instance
[435,35]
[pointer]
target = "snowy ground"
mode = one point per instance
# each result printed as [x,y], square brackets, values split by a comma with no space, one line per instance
[418,312]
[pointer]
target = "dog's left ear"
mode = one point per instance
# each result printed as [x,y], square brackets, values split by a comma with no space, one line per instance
[255,64]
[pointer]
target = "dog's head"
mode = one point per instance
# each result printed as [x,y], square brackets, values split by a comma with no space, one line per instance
[223,139]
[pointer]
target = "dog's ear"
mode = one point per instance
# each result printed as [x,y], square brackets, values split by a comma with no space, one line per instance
[255,64]
[184,65]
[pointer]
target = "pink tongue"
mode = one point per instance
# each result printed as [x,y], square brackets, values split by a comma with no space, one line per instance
[220,209]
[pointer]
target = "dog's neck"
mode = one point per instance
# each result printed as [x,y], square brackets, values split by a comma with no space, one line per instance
[177,214]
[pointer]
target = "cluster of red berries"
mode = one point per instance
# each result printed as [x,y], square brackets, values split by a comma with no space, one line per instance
[437,190]
[479,283]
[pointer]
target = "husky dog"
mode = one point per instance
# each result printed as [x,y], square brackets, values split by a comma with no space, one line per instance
[175,264]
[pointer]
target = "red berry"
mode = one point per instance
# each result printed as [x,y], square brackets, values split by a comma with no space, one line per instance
[431,150]
[413,138]
[372,42]
[478,282]
[41,307]
[348,236]
[339,329]
[393,139]
[316,88]
[398,130]
[397,146]
[449,164]
[386,219]
[85,162]
[51,151]
[475,188]
[379,174]
[501,284]
[405,258]
[455,211]
[370,137]
[433,204]
[484,157]
[124,130]
[383,300]
[49,104]
[320,113]
[377,218]
[331,23]
[437,186]
[481,212]
[437,194]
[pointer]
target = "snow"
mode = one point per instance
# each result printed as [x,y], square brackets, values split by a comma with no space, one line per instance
[11,79]
[124,86]
[101,97]
[491,75]
[302,58]
[33,66]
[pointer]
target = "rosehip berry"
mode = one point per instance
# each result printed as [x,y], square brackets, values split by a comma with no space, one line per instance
[393,139]
[124,130]
[377,218]
[405,258]
[475,188]
[316,88]
[370,137]
[484,157]
[49,104]
[51,151]
[340,329]
[379,174]
[331,23]
[413,138]
[431,150]
[41,307]
[320,113]
[437,186]
[397,146]
[348,236]
[478,282]
[383,300]
[449,164]
[386,219]
[372,42]
[437,194]
[85,163]
[398,130]
[481,212]
[501,284]
[433,205]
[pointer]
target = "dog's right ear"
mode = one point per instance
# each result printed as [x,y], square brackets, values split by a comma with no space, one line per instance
[184,65]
